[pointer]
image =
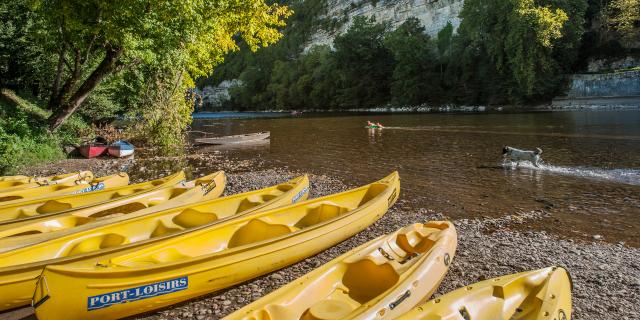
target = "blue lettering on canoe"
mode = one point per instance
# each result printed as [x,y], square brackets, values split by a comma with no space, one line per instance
[90,188]
[299,195]
[137,293]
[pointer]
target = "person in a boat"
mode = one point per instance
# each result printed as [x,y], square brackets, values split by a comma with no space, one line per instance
[379,125]
[370,124]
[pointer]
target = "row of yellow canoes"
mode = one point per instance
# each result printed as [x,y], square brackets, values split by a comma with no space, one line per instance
[160,242]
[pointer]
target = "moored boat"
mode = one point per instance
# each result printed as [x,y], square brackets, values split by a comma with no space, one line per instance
[33,182]
[92,149]
[236,139]
[120,149]
[20,268]
[381,279]
[11,198]
[211,258]
[157,195]
[530,295]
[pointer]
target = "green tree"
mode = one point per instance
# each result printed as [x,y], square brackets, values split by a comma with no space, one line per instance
[95,39]
[364,64]
[414,80]
[624,17]
[529,43]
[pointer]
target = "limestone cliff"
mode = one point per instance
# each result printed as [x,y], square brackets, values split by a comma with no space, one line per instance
[433,14]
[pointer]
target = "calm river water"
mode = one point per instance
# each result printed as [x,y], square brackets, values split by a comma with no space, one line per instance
[452,163]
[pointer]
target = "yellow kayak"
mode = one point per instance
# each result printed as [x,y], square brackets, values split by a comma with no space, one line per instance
[24,182]
[20,268]
[381,279]
[13,197]
[543,294]
[209,259]
[47,207]
[163,197]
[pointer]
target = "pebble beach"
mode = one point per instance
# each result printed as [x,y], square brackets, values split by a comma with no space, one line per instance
[606,276]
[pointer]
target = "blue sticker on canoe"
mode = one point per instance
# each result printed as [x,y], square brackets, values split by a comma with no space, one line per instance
[138,293]
[95,187]
[299,195]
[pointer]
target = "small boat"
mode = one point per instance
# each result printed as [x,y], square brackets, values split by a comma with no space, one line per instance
[92,150]
[208,259]
[49,191]
[154,196]
[381,279]
[36,208]
[241,138]
[19,269]
[374,127]
[33,182]
[120,149]
[539,294]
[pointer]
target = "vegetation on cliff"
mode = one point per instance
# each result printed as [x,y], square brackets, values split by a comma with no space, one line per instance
[504,52]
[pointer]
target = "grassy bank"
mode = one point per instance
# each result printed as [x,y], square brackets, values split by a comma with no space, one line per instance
[24,139]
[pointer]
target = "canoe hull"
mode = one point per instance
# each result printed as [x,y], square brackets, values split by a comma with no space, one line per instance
[18,282]
[121,149]
[111,295]
[538,294]
[404,276]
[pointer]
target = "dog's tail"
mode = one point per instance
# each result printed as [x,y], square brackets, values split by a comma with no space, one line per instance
[538,151]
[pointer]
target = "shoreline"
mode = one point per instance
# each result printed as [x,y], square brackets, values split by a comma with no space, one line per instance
[606,276]
[441,109]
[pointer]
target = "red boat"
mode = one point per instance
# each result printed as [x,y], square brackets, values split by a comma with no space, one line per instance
[92,150]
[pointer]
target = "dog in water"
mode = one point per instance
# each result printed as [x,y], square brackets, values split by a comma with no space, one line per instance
[517,155]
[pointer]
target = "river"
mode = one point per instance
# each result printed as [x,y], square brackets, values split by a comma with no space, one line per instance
[589,182]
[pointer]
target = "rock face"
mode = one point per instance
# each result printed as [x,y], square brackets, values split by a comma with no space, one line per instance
[214,97]
[433,14]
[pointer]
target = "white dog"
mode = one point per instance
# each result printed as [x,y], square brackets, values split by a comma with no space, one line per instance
[518,155]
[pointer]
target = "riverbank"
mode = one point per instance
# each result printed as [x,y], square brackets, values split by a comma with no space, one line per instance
[606,277]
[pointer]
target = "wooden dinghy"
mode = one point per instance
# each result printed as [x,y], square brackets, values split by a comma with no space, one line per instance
[20,268]
[237,139]
[121,149]
[381,279]
[543,294]
[11,198]
[209,259]
[34,182]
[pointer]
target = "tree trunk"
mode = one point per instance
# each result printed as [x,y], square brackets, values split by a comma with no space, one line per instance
[106,67]
[55,87]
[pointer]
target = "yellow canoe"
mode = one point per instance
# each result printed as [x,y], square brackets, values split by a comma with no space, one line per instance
[20,268]
[165,196]
[543,294]
[54,190]
[381,279]
[209,259]
[24,182]
[46,207]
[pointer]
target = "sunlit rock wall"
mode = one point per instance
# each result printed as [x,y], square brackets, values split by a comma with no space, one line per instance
[606,84]
[433,14]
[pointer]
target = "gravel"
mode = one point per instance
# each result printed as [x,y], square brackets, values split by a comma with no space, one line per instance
[606,277]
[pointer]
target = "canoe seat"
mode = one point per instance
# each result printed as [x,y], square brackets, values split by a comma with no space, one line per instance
[328,309]
[95,243]
[53,206]
[161,230]
[190,218]
[373,191]
[366,280]
[284,187]
[321,213]
[257,230]
[123,209]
